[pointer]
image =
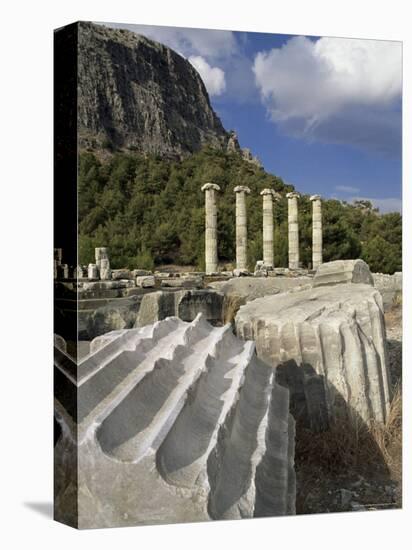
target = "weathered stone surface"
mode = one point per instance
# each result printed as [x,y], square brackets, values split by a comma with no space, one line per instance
[343,271]
[182,282]
[328,346]
[317,236]
[114,316]
[239,291]
[78,272]
[60,343]
[118,274]
[92,272]
[293,230]
[104,270]
[142,95]
[268,196]
[211,259]
[262,268]
[390,286]
[140,273]
[107,285]
[103,263]
[251,288]
[241,273]
[241,226]
[185,304]
[146,282]
[173,422]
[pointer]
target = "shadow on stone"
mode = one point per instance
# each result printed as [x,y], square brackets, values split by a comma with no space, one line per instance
[340,460]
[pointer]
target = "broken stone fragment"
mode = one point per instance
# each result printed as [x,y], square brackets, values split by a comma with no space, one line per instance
[173,422]
[146,282]
[185,304]
[183,282]
[92,272]
[118,274]
[241,273]
[329,348]
[343,271]
[104,270]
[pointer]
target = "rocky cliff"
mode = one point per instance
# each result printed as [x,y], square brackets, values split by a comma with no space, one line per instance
[136,94]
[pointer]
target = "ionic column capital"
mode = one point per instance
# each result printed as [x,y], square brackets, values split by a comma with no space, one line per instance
[315,198]
[275,196]
[293,195]
[241,189]
[208,186]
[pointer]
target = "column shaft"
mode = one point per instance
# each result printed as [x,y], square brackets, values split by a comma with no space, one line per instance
[211,231]
[268,229]
[241,230]
[316,233]
[293,227]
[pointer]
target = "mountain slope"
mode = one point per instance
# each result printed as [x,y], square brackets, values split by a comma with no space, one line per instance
[137,94]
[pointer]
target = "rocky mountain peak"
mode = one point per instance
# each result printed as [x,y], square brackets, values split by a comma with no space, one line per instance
[140,95]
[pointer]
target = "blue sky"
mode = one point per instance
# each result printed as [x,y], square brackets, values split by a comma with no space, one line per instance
[322,113]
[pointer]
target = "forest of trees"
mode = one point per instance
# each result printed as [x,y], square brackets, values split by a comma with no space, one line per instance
[150,211]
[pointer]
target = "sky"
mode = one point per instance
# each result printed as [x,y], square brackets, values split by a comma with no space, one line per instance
[323,113]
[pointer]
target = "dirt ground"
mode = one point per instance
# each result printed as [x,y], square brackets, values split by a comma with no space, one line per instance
[354,469]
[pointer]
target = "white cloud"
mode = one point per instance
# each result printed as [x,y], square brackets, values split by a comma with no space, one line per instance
[347,189]
[334,89]
[386,205]
[213,77]
[204,42]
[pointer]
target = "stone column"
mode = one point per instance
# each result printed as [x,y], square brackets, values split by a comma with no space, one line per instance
[241,226]
[103,263]
[210,226]
[293,230]
[92,272]
[268,196]
[316,231]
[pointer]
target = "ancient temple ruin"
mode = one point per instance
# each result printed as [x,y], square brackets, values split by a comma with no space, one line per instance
[269,196]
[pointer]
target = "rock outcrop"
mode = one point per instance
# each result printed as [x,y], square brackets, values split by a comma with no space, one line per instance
[168,423]
[328,346]
[137,94]
[343,271]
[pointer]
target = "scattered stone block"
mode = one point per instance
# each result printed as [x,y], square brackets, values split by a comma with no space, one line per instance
[146,282]
[185,304]
[104,270]
[241,273]
[92,272]
[118,274]
[342,272]
[182,282]
[140,273]
[107,285]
